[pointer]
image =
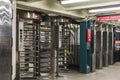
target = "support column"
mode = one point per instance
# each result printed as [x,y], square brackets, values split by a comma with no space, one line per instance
[85,55]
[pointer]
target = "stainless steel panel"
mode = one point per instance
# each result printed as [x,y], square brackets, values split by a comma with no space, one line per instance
[94,50]
[104,49]
[5,40]
[110,55]
[98,49]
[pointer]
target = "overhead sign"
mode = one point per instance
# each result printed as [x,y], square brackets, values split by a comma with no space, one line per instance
[108,18]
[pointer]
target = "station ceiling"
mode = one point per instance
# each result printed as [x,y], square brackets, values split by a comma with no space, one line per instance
[80,9]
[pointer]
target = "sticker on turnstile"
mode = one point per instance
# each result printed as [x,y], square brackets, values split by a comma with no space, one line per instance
[21,41]
[88,46]
[5,12]
[66,51]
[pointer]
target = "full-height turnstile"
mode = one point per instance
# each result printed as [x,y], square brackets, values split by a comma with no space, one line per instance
[5,39]
[28,56]
[74,45]
[37,45]
[68,51]
[64,45]
[48,46]
[45,49]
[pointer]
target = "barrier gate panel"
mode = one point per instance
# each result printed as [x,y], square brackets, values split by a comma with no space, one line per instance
[105,55]
[110,45]
[103,45]
[110,55]
[98,50]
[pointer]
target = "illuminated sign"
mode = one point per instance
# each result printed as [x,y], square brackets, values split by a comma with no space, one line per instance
[117,42]
[108,18]
[88,32]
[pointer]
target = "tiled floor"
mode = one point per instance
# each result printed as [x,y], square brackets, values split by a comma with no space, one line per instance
[109,73]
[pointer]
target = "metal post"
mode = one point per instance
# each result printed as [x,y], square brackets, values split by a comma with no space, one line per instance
[110,44]
[93,46]
[98,46]
[105,45]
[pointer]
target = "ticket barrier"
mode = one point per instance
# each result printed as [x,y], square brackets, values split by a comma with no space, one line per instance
[100,51]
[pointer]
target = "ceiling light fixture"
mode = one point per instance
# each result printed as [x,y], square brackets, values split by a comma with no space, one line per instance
[72,1]
[104,9]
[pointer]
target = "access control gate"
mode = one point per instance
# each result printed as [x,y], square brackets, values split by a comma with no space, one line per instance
[29,49]
[103,45]
[28,53]
[99,53]
[36,45]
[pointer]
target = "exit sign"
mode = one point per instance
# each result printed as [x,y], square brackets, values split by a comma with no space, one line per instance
[108,18]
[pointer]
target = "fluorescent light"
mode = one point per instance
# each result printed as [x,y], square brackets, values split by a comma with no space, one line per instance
[104,9]
[73,1]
